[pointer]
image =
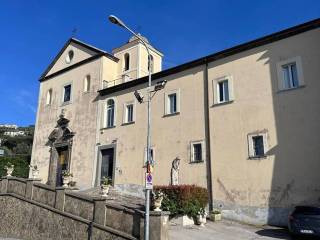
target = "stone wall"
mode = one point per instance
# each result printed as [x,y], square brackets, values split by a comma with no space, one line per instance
[43,194]
[32,210]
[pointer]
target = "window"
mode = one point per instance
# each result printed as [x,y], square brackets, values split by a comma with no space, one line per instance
[290,74]
[223,90]
[87,81]
[152,156]
[49,97]
[69,56]
[67,93]
[128,113]
[110,113]
[258,149]
[172,102]
[126,61]
[197,152]
[257,145]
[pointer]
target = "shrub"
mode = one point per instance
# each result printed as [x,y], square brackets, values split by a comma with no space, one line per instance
[21,166]
[184,199]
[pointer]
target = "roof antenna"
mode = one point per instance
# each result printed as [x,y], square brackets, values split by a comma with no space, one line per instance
[74,32]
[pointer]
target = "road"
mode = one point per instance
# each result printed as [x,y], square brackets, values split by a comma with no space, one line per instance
[226,230]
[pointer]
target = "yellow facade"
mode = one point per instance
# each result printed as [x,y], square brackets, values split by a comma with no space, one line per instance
[256,190]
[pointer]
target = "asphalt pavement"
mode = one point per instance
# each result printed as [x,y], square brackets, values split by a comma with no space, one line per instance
[226,230]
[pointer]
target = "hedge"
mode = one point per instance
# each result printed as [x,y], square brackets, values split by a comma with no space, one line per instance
[184,199]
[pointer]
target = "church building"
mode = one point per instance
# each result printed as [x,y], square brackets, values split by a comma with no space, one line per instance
[243,122]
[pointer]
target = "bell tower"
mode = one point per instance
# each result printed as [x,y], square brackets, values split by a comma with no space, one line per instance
[133,61]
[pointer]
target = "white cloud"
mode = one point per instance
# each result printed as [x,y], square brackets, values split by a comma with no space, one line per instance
[24,99]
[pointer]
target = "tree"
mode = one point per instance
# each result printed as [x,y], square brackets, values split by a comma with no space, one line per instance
[21,166]
[17,151]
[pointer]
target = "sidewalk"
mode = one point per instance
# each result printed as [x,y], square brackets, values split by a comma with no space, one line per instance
[226,230]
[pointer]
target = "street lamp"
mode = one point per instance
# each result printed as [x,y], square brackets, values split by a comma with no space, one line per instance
[113,19]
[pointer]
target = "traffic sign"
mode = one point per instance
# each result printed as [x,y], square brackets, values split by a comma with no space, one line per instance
[149,184]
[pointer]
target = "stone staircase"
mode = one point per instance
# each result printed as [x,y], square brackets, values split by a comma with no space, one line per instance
[30,209]
[118,195]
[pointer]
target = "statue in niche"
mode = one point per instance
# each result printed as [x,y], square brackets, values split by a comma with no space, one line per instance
[175,171]
[61,133]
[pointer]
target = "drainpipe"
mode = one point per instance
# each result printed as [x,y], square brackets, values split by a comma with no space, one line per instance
[207,134]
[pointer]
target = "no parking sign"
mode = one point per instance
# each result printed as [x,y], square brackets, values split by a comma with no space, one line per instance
[149,184]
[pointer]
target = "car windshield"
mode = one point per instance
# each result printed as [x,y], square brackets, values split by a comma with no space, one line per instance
[307,210]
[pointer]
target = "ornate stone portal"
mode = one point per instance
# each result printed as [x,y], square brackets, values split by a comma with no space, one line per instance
[175,171]
[60,143]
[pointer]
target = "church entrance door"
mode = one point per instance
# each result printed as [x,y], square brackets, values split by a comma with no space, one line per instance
[63,163]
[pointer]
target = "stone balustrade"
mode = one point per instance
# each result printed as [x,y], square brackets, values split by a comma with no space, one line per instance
[83,215]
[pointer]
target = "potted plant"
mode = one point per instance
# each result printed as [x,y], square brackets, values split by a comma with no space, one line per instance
[66,175]
[105,186]
[34,171]
[215,215]
[184,202]
[9,168]
[201,218]
[157,200]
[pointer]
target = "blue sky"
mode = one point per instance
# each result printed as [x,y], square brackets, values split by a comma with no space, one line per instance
[32,33]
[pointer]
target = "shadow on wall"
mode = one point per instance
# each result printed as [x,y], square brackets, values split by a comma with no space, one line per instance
[295,177]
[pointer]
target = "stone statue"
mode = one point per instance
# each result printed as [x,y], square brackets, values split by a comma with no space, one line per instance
[175,171]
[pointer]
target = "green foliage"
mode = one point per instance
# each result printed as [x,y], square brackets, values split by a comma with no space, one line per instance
[188,200]
[18,144]
[21,166]
[22,148]
[17,151]
[106,181]
[7,151]
[216,211]
[66,173]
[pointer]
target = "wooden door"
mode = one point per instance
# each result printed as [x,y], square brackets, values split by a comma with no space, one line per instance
[63,163]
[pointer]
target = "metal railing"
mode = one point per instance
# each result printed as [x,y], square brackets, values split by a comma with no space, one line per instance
[124,78]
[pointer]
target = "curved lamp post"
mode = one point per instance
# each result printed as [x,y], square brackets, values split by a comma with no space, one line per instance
[113,19]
